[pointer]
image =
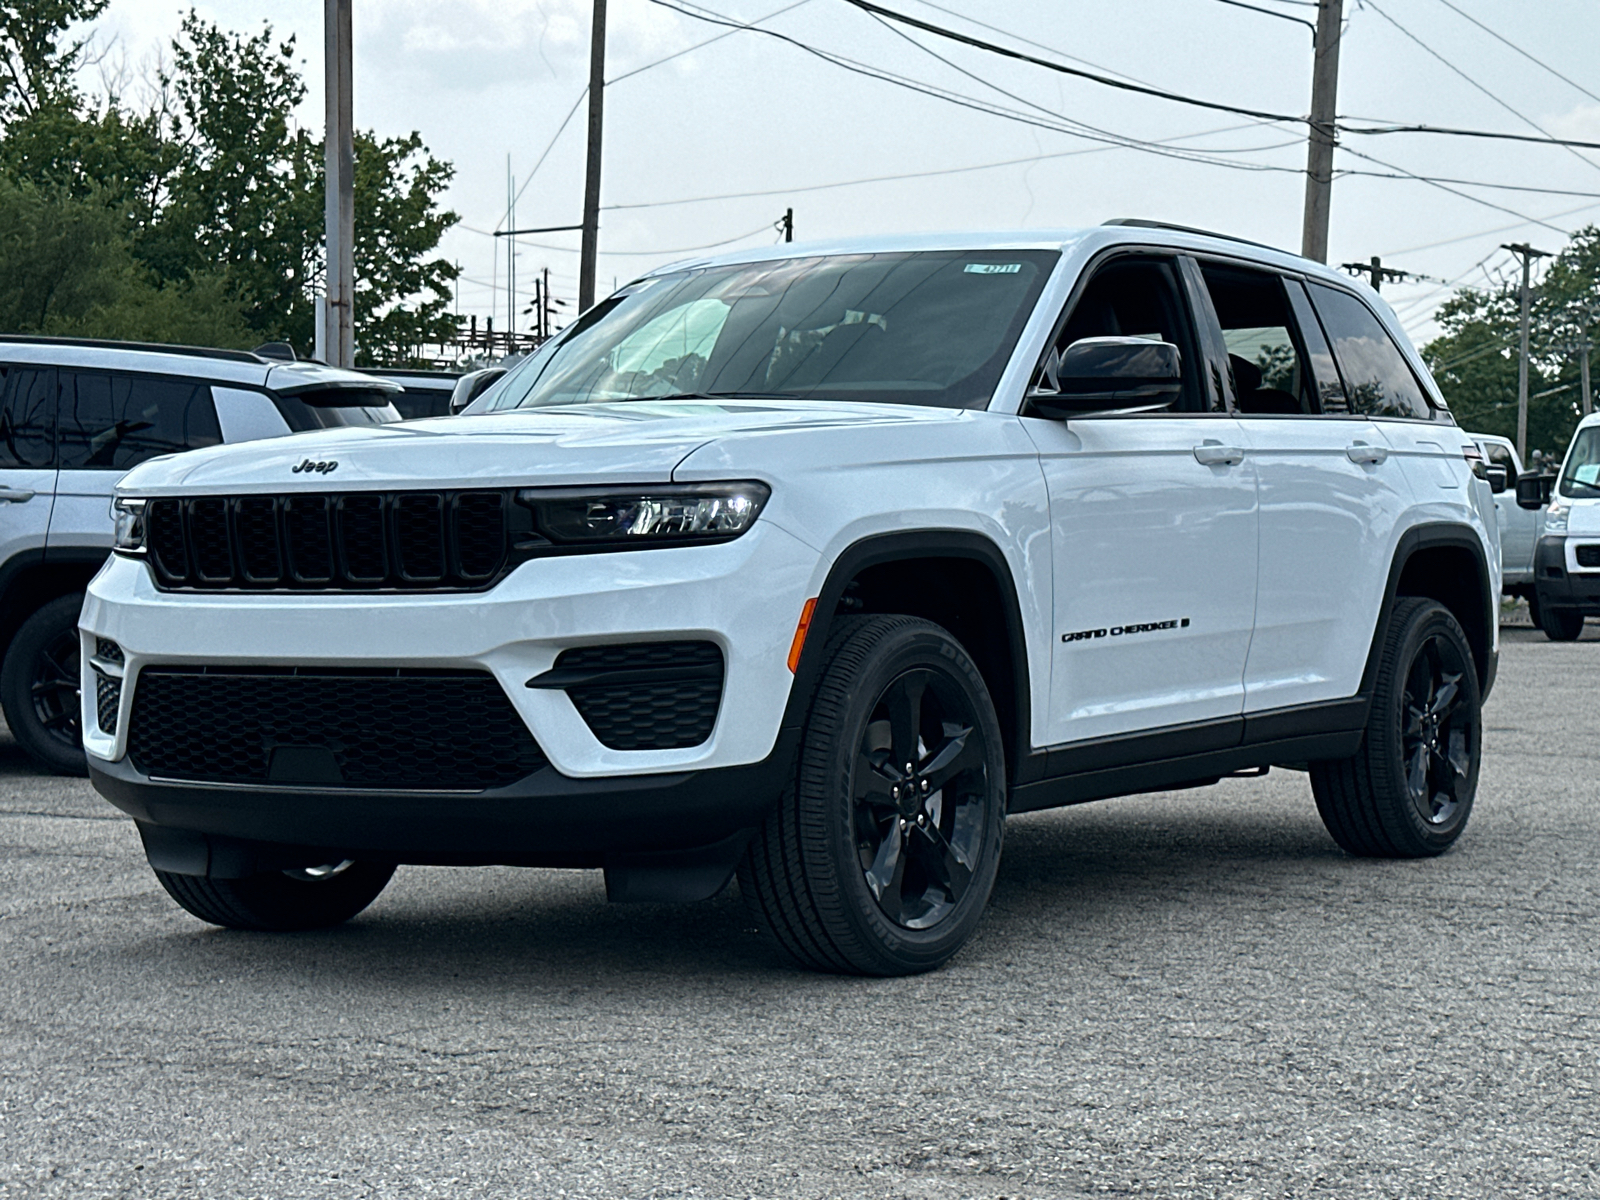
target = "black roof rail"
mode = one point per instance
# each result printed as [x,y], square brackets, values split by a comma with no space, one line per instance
[1141,223]
[239,356]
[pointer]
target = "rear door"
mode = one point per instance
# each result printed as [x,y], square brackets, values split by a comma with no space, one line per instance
[1153,528]
[27,457]
[1331,493]
[109,422]
[1519,527]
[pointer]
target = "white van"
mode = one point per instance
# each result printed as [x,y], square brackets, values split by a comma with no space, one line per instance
[1567,557]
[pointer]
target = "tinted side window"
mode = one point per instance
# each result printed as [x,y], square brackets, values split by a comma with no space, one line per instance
[1138,298]
[1377,378]
[1330,391]
[1269,371]
[27,416]
[117,421]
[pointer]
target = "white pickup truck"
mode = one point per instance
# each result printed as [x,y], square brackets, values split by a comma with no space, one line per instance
[1519,527]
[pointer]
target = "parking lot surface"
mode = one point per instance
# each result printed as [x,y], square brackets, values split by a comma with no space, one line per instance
[1188,994]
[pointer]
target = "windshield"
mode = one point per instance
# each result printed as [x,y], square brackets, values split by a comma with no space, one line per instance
[933,327]
[1581,478]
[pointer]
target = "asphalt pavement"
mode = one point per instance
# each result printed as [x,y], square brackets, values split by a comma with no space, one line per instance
[1189,994]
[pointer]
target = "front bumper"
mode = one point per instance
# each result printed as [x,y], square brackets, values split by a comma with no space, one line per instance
[591,804]
[1561,581]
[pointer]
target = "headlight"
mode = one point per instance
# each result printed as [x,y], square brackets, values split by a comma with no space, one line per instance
[1555,517]
[622,518]
[129,515]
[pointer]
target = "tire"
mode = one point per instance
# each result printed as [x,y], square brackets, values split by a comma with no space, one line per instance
[1561,624]
[865,868]
[1534,610]
[281,901]
[1408,792]
[39,685]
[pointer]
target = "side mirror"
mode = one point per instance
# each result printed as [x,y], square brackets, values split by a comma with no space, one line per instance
[472,385]
[1533,491]
[1496,477]
[1107,374]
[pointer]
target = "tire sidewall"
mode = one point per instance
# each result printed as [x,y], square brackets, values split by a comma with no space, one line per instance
[917,645]
[1433,620]
[16,683]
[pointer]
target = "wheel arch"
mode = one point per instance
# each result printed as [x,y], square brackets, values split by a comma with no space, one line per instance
[1445,562]
[32,579]
[956,578]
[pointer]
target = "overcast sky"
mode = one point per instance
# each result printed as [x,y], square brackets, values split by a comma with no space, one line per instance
[487,81]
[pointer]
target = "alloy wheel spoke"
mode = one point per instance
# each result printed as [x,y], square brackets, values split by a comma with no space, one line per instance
[888,871]
[63,684]
[874,780]
[1444,701]
[904,702]
[956,755]
[1417,771]
[946,864]
[66,718]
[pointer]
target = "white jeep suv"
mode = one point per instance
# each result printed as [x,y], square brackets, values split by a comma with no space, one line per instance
[811,565]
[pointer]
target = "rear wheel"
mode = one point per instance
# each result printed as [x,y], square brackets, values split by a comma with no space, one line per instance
[314,897]
[880,859]
[1561,624]
[39,684]
[1407,793]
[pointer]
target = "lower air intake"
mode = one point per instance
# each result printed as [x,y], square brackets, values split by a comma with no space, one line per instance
[389,730]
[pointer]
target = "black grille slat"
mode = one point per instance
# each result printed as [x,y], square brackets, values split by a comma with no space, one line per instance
[419,536]
[255,524]
[356,541]
[480,534]
[389,730]
[164,536]
[1588,556]
[650,713]
[209,540]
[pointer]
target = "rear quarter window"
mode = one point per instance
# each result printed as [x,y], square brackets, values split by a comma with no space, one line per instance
[1377,379]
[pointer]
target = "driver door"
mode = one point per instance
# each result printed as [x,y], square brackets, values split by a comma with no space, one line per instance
[1153,529]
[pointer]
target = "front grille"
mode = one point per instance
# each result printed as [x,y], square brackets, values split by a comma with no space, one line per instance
[645,695]
[354,541]
[393,730]
[107,695]
[1588,556]
[107,650]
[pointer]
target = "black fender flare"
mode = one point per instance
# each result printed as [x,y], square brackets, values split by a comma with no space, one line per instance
[876,549]
[1434,535]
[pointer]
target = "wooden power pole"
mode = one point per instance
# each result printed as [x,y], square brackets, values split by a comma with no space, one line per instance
[337,316]
[591,181]
[1319,151]
[1526,254]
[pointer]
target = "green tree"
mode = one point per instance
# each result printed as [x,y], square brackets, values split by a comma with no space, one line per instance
[1474,359]
[36,66]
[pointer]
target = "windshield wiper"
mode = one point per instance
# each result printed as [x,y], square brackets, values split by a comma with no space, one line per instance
[722,396]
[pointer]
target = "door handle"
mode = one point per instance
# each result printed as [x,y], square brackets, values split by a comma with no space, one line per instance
[15,495]
[1212,453]
[1360,452]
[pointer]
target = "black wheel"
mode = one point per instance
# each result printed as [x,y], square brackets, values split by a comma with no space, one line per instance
[1533,610]
[880,859]
[315,897]
[1561,624]
[39,684]
[1407,793]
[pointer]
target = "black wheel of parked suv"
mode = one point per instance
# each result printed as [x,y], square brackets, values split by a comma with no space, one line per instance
[1561,624]
[39,687]
[1407,793]
[880,859]
[314,897]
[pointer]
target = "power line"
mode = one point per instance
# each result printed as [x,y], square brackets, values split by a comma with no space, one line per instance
[1273,13]
[1444,187]
[1508,42]
[1504,187]
[1372,4]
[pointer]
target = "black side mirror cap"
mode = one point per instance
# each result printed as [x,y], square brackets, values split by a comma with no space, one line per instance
[1533,491]
[1496,477]
[1107,374]
[472,385]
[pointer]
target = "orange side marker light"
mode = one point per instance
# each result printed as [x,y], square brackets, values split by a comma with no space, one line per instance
[799,642]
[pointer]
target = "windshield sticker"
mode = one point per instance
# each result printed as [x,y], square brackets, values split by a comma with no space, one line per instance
[992,268]
[1587,474]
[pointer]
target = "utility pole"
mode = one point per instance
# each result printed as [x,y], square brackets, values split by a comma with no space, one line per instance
[1526,254]
[544,306]
[788,224]
[1583,371]
[591,181]
[339,206]
[1319,150]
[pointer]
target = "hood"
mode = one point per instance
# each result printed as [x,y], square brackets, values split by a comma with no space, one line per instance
[633,442]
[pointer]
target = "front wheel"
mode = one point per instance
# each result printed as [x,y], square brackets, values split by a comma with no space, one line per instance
[315,897]
[1407,793]
[39,685]
[1561,624]
[880,859]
